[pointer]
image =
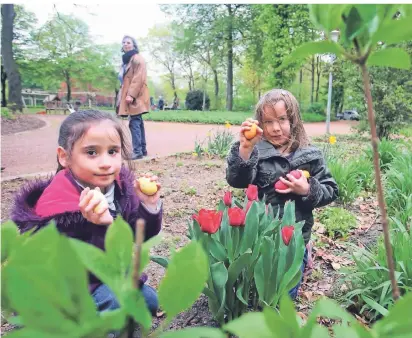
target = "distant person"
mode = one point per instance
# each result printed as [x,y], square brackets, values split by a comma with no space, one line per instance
[161,103]
[133,99]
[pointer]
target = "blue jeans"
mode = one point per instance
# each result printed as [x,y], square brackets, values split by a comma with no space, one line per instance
[294,292]
[106,300]
[136,126]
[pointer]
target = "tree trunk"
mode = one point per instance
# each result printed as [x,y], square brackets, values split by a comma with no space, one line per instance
[318,72]
[13,76]
[68,84]
[229,92]
[300,84]
[3,87]
[172,82]
[312,78]
[216,81]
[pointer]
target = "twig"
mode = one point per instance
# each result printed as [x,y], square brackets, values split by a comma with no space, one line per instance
[381,200]
[140,227]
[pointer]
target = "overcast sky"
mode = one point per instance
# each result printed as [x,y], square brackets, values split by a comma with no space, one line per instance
[108,22]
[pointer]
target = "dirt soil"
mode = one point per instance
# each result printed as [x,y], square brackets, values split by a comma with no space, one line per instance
[190,184]
[20,123]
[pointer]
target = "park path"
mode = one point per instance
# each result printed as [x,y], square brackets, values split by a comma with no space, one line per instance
[34,152]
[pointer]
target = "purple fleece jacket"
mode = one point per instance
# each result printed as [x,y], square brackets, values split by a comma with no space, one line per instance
[57,198]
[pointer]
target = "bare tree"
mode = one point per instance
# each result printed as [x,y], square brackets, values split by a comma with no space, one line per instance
[10,67]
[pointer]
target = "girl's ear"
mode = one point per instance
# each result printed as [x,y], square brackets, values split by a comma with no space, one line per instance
[62,157]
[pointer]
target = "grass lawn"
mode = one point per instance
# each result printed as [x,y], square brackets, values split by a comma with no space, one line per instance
[188,116]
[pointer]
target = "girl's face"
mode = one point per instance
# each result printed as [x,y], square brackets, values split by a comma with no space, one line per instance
[276,125]
[127,44]
[96,158]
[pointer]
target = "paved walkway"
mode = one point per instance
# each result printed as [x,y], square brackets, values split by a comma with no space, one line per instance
[34,151]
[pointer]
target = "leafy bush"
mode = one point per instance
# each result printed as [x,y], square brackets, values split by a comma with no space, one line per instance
[398,184]
[387,152]
[47,272]
[345,175]
[338,222]
[316,108]
[370,287]
[194,100]
[220,142]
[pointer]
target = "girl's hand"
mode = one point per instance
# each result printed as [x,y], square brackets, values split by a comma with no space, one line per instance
[149,201]
[298,186]
[129,99]
[246,146]
[94,207]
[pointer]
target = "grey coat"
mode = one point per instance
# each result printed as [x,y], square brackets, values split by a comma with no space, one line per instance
[266,165]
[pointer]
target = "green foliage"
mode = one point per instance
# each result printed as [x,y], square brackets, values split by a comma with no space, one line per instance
[398,184]
[370,287]
[194,100]
[345,175]
[250,264]
[286,323]
[220,142]
[213,117]
[48,272]
[388,150]
[316,108]
[338,221]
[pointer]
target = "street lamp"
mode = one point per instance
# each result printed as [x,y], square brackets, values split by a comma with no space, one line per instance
[334,36]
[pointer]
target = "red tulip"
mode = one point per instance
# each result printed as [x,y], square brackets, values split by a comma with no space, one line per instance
[252,192]
[287,233]
[209,220]
[227,199]
[236,217]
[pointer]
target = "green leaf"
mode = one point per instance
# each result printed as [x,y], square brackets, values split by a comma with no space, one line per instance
[195,332]
[9,238]
[237,266]
[374,305]
[398,314]
[47,272]
[30,333]
[95,260]
[250,229]
[217,250]
[239,294]
[219,276]
[310,48]
[184,280]
[327,17]
[394,32]
[276,323]
[250,325]
[162,261]
[119,244]
[287,311]
[390,57]
[344,331]
[329,308]
[135,305]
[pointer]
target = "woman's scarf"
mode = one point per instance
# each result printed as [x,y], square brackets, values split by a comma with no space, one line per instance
[128,55]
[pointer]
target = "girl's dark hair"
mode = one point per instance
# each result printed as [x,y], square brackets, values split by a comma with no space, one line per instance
[133,41]
[78,123]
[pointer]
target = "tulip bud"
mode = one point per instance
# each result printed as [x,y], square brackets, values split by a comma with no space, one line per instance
[227,199]
[287,233]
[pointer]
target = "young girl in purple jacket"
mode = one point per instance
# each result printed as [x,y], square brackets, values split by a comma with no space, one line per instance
[90,151]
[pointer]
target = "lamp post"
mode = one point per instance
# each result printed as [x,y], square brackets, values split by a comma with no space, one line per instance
[334,35]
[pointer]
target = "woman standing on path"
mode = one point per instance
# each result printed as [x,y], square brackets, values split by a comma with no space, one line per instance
[133,98]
